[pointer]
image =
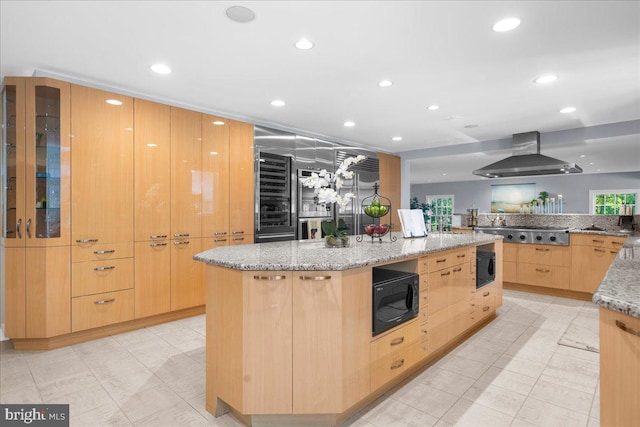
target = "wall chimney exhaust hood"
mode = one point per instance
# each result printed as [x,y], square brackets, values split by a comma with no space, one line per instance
[527,160]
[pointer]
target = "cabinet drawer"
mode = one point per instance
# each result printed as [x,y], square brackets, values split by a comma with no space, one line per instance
[545,255]
[510,271]
[101,309]
[395,340]
[610,242]
[95,277]
[96,252]
[446,259]
[385,369]
[544,275]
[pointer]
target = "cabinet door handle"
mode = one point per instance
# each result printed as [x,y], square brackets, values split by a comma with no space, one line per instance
[155,245]
[486,294]
[543,250]
[110,251]
[462,256]
[617,243]
[28,227]
[625,328]
[87,241]
[396,341]
[111,267]
[219,240]
[441,260]
[104,301]
[237,232]
[445,274]
[181,235]
[237,238]
[599,250]
[456,270]
[397,364]
[181,243]
[269,277]
[220,233]
[315,277]
[614,252]
[18,225]
[486,308]
[543,270]
[158,236]
[597,241]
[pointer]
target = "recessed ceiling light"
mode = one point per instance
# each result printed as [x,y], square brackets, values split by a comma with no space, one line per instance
[397,138]
[591,163]
[597,170]
[160,69]
[568,110]
[583,155]
[304,44]
[152,145]
[385,83]
[278,103]
[506,24]
[433,107]
[444,174]
[240,14]
[114,102]
[218,122]
[546,79]
[471,126]
[349,124]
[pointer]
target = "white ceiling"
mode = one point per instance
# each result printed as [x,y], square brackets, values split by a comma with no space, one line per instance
[435,52]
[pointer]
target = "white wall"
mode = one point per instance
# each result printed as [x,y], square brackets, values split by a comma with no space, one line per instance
[574,189]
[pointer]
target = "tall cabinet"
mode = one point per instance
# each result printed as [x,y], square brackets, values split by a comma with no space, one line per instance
[35,207]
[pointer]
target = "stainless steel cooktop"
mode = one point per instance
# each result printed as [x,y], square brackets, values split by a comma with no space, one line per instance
[530,234]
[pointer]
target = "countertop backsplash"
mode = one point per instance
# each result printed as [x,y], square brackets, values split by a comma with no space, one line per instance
[579,221]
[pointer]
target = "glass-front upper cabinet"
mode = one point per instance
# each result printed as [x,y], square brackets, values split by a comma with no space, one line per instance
[36,162]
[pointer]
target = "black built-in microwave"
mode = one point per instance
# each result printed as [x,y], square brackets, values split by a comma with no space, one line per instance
[395,298]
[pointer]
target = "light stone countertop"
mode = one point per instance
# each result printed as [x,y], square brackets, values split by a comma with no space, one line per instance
[620,288]
[308,256]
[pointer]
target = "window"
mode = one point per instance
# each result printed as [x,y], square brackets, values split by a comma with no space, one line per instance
[608,202]
[441,210]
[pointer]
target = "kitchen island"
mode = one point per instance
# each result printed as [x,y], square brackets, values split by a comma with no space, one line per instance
[619,299]
[289,324]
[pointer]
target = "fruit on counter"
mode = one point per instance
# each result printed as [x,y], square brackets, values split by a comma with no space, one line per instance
[376,210]
[375,203]
[379,229]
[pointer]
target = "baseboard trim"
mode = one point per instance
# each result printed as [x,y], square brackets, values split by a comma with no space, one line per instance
[565,293]
[26,344]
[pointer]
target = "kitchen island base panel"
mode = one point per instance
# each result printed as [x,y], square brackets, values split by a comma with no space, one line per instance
[52,343]
[564,293]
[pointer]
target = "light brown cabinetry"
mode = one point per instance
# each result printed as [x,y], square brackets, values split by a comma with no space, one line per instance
[241,185]
[152,278]
[394,352]
[215,177]
[510,264]
[187,280]
[619,369]
[544,265]
[591,256]
[390,179]
[35,202]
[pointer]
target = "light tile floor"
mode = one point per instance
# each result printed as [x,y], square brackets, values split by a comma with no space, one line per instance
[511,373]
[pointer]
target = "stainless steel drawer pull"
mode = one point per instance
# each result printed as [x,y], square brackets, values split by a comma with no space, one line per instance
[462,255]
[158,236]
[104,301]
[441,260]
[486,308]
[445,274]
[315,277]
[625,328]
[397,364]
[237,232]
[599,250]
[456,270]
[542,250]
[597,241]
[237,238]
[181,243]
[181,235]
[543,270]
[220,233]
[219,240]
[155,245]
[110,251]
[486,294]
[18,225]
[87,241]
[269,277]
[111,267]
[28,227]
[396,341]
